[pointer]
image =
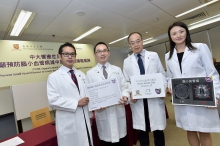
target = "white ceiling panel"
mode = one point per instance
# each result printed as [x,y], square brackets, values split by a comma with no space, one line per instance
[47,38]
[143,12]
[9,3]
[6,14]
[67,20]
[112,20]
[128,6]
[182,6]
[45,7]
[2,35]
[99,3]
[166,4]
[163,20]
[39,23]
[3,27]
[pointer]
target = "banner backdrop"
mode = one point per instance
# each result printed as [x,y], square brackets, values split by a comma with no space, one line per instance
[25,62]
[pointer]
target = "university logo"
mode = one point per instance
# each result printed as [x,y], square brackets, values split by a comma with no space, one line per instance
[16,46]
[113,81]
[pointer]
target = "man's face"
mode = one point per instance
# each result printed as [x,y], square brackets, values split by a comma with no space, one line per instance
[136,43]
[68,57]
[101,54]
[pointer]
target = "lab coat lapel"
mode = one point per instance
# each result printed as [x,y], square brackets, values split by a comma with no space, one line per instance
[186,53]
[98,72]
[174,57]
[147,57]
[66,77]
[79,80]
[134,60]
[110,71]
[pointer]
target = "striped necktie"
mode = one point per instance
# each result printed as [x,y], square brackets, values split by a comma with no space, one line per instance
[105,72]
[73,76]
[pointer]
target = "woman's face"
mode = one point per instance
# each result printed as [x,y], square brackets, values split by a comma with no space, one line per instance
[178,35]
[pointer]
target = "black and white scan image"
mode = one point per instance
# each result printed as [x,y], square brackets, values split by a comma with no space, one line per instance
[198,91]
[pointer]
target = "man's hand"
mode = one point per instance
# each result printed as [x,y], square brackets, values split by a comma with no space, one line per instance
[133,100]
[84,101]
[123,100]
[101,108]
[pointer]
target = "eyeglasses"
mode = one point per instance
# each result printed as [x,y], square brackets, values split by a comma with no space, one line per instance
[138,42]
[103,51]
[65,54]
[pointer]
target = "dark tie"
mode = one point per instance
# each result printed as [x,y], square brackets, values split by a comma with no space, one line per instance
[142,72]
[141,65]
[105,72]
[73,76]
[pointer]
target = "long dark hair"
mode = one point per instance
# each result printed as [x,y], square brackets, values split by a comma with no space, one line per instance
[188,40]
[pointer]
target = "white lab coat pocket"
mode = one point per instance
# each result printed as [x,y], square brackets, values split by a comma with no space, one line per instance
[152,68]
[66,124]
[120,111]
[100,114]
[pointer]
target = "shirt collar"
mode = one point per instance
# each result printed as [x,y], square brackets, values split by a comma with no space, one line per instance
[100,65]
[66,69]
[142,53]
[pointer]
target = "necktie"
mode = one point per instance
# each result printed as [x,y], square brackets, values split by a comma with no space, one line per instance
[142,72]
[73,76]
[141,65]
[105,72]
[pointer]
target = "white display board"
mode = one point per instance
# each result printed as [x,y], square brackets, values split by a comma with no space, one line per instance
[28,98]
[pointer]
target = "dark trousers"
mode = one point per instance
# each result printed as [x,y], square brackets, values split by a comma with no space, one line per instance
[143,136]
[121,142]
[158,138]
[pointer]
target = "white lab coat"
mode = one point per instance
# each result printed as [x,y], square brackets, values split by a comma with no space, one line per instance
[111,122]
[156,106]
[63,96]
[195,63]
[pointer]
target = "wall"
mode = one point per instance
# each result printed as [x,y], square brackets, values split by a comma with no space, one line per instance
[117,57]
[6,104]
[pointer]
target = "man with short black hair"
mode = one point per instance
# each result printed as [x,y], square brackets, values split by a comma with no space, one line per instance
[65,91]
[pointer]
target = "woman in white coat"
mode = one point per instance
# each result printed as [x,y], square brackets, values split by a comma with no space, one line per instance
[187,59]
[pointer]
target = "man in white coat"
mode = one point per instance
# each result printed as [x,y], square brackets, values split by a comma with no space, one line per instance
[65,91]
[111,121]
[147,114]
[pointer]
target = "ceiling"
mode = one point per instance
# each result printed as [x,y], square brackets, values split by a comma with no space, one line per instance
[117,18]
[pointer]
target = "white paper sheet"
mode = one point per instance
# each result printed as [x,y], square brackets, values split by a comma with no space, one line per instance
[147,86]
[102,94]
[12,142]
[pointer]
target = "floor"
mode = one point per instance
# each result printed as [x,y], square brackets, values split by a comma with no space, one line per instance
[175,136]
